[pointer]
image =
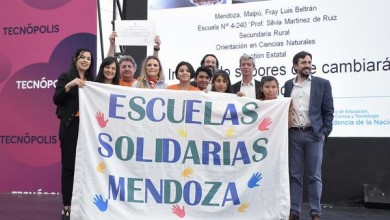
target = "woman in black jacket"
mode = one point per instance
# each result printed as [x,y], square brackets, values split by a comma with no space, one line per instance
[66,97]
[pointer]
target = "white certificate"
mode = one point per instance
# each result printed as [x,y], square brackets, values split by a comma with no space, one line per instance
[135,32]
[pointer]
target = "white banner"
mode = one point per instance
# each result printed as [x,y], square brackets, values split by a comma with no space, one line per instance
[165,154]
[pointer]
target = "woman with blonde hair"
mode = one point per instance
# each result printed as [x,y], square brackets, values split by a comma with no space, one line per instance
[152,75]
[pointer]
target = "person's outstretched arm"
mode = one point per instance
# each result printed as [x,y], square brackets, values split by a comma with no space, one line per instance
[111,49]
[156,47]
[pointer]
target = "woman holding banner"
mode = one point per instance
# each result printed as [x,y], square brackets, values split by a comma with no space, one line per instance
[221,82]
[66,97]
[108,71]
[184,73]
[152,75]
[269,89]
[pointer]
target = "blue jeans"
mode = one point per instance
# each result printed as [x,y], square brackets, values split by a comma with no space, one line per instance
[305,154]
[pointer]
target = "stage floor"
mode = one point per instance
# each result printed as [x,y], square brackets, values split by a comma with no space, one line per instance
[48,207]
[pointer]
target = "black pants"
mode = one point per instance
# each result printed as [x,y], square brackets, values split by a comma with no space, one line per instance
[68,139]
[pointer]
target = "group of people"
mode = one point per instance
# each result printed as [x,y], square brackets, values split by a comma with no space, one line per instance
[310,112]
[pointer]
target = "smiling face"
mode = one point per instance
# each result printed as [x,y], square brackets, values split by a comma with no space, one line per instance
[270,90]
[202,80]
[83,61]
[210,62]
[109,72]
[152,68]
[184,74]
[127,70]
[303,67]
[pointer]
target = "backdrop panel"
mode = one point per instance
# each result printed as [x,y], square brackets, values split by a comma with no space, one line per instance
[37,41]
[348,40]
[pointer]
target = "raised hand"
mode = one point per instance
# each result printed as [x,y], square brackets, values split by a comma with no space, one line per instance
[100,119]
[100,203]
[254,180]
[178,211]
[264,124]
[112,37]
[157,42]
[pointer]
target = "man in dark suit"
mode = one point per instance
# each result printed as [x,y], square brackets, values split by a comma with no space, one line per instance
[313,110]
[248,86]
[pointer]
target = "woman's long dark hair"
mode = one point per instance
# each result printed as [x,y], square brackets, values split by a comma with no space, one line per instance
[108,61]
[89,72]
[225,75]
